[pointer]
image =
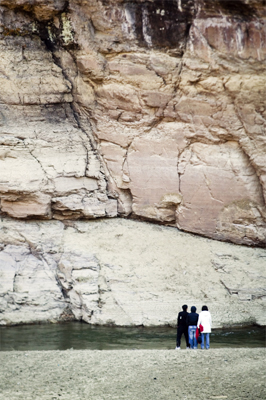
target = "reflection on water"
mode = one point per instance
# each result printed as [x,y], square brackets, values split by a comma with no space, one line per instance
[83,336]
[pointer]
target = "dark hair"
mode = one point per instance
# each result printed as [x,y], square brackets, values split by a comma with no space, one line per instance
[184,307]
[204,308]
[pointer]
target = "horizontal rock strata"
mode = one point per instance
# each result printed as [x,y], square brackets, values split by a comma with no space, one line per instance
[124,273]
[147,109]
[155,109]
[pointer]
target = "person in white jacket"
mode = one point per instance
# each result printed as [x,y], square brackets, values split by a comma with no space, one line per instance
[205,320]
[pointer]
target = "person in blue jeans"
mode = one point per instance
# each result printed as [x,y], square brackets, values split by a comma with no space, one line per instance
[206,321]
[192,320]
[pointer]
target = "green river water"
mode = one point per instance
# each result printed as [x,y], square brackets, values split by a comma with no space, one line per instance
[79,336]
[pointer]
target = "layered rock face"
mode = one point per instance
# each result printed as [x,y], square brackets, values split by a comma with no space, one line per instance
[152,108]
[148,109]
[125,272]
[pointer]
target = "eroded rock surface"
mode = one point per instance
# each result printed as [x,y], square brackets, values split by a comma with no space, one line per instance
[124,273]
[153,108]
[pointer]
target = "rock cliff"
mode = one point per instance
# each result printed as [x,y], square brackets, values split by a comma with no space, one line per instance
[125,272]
[114,108]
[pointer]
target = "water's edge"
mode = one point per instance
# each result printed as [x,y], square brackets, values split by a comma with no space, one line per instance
[78,336]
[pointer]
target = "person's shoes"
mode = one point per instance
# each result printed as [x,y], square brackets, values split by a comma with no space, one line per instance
[188,348]
[177,348]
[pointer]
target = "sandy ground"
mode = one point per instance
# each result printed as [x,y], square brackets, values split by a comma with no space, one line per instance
[231,374]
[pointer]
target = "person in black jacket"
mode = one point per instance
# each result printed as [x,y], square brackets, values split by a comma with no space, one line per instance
[182,327]
[192,320]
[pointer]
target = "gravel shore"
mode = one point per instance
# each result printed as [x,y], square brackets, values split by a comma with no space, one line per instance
[231,374]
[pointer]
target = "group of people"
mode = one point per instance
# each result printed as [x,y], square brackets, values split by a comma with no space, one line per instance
[193,324]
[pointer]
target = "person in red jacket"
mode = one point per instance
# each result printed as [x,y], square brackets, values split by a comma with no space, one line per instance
[182,327]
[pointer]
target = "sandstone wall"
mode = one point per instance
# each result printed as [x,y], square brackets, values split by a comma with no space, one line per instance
[125,272]
[147,107]
[150,109]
